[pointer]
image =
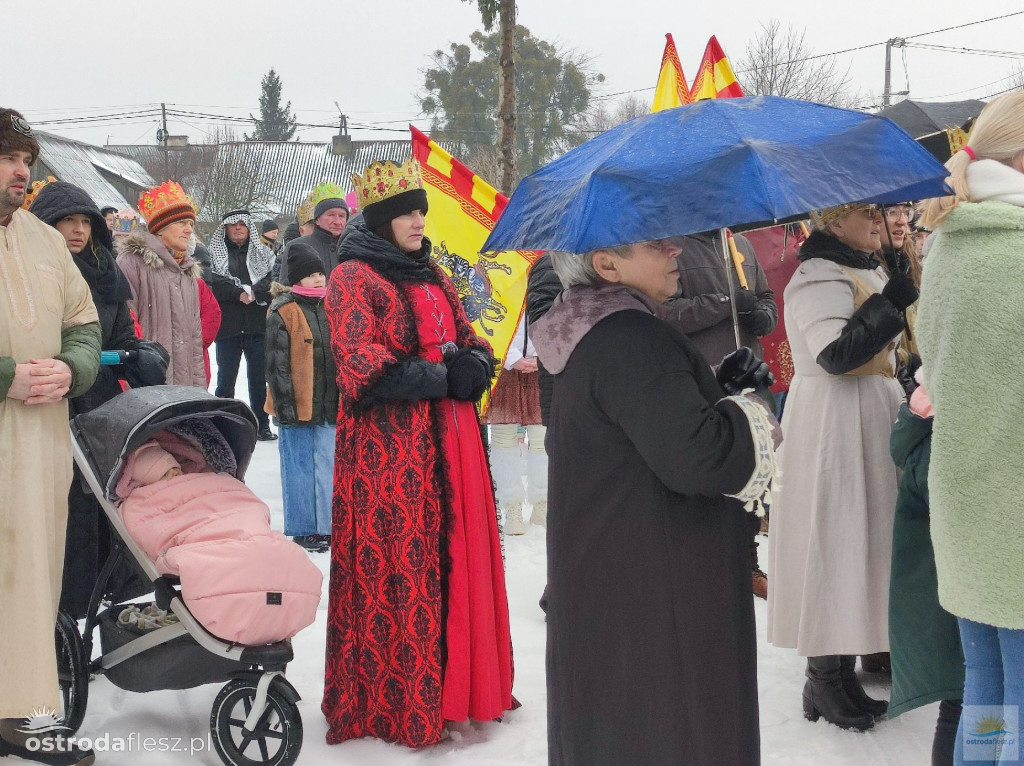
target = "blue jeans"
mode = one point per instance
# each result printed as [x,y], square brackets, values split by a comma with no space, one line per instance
[229,355]
[994,658]
[307,478]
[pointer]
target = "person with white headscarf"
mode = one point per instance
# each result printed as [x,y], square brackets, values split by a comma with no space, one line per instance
[240,278]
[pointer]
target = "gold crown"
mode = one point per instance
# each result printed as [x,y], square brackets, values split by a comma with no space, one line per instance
[382,180]
[305,211]
[820,219]
[33,192]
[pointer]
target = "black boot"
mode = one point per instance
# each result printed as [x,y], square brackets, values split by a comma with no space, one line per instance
[851,685]
[945,732]
[824,696]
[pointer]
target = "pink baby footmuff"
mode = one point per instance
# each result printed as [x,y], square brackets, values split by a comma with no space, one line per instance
[243,581]
[167,465]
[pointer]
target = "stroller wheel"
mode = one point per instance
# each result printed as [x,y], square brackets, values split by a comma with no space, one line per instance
[277,737]
[72,672]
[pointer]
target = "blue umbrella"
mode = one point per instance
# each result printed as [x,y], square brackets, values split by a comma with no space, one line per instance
[739,162]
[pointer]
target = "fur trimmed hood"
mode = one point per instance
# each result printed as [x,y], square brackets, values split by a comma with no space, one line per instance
[155,255]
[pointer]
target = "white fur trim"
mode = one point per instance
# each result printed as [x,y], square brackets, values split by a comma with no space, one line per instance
[758,490]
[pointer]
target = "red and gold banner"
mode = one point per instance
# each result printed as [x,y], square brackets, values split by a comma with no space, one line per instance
[715,78]
[672,89]
[463,210]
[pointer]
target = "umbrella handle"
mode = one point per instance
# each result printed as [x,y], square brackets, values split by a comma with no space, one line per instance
[732,288]
[738,260]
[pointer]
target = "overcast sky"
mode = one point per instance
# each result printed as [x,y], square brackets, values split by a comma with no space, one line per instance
[74,59]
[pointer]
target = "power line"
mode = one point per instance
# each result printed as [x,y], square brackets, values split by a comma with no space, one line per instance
[969,51]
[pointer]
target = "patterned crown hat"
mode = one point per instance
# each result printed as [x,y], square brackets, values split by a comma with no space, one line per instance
[33,192]
[382,180]
[385,191]
[324,191]
[166,204]
[822,218]
[305,211]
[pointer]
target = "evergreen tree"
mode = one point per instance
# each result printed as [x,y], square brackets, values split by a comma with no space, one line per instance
[275,123]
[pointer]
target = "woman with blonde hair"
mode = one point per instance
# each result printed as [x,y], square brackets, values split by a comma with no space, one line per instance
[832,517]
[969,332]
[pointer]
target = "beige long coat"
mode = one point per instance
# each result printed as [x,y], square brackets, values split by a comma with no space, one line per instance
[831,529]
[41,293]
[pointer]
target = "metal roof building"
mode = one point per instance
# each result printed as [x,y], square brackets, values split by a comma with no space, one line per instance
[286,170]
[109,178]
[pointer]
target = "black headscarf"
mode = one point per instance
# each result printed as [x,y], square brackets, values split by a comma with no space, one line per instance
[362,244]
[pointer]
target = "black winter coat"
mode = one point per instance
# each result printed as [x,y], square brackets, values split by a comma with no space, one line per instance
[326,247]
[88,534]
[237,318]
[278,367]
[542,287]
[651,650]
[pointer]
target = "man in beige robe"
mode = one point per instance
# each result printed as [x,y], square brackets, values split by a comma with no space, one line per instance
[49,350]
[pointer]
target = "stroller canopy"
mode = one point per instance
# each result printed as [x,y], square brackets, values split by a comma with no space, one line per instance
[110,432]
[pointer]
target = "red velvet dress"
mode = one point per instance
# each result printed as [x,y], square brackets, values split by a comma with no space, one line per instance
[418,629]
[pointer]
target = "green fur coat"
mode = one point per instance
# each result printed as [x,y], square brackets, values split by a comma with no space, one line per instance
[970,330]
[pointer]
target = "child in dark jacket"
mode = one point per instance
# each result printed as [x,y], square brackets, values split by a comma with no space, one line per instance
[303,397]
[924,640]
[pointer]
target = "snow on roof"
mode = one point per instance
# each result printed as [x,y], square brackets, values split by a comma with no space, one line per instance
[84,165]
[289,169]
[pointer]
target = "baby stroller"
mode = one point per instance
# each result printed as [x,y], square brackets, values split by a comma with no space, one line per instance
[255,718]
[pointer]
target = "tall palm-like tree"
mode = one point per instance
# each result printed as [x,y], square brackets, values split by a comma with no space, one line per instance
[505,12]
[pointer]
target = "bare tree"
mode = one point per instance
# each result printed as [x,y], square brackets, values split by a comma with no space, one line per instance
[778,62]
[224,174]
[1015,80]
[605,115]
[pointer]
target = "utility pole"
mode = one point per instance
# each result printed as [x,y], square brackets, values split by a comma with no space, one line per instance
[163,137]
[894,42]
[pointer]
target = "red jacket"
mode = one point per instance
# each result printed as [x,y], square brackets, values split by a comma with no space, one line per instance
[209,318]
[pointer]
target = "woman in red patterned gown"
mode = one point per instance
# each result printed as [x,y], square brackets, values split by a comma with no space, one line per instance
[418,629]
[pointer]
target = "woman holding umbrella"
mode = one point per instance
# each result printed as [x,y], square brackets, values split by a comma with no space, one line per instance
[645,536]
[832,517]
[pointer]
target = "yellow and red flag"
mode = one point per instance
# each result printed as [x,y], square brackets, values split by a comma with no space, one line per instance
[715,78]
[672,89]
[463,210]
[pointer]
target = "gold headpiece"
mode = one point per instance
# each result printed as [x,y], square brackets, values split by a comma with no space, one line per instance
[306,208]
[820,219]
[382,180]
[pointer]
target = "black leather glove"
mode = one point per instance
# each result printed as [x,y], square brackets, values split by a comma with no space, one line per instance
[146,364]
[745,301]
[900,291]
[741,370]
[759,321]
[469,374]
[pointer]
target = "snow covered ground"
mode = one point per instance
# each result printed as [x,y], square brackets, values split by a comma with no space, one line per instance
[786,738]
